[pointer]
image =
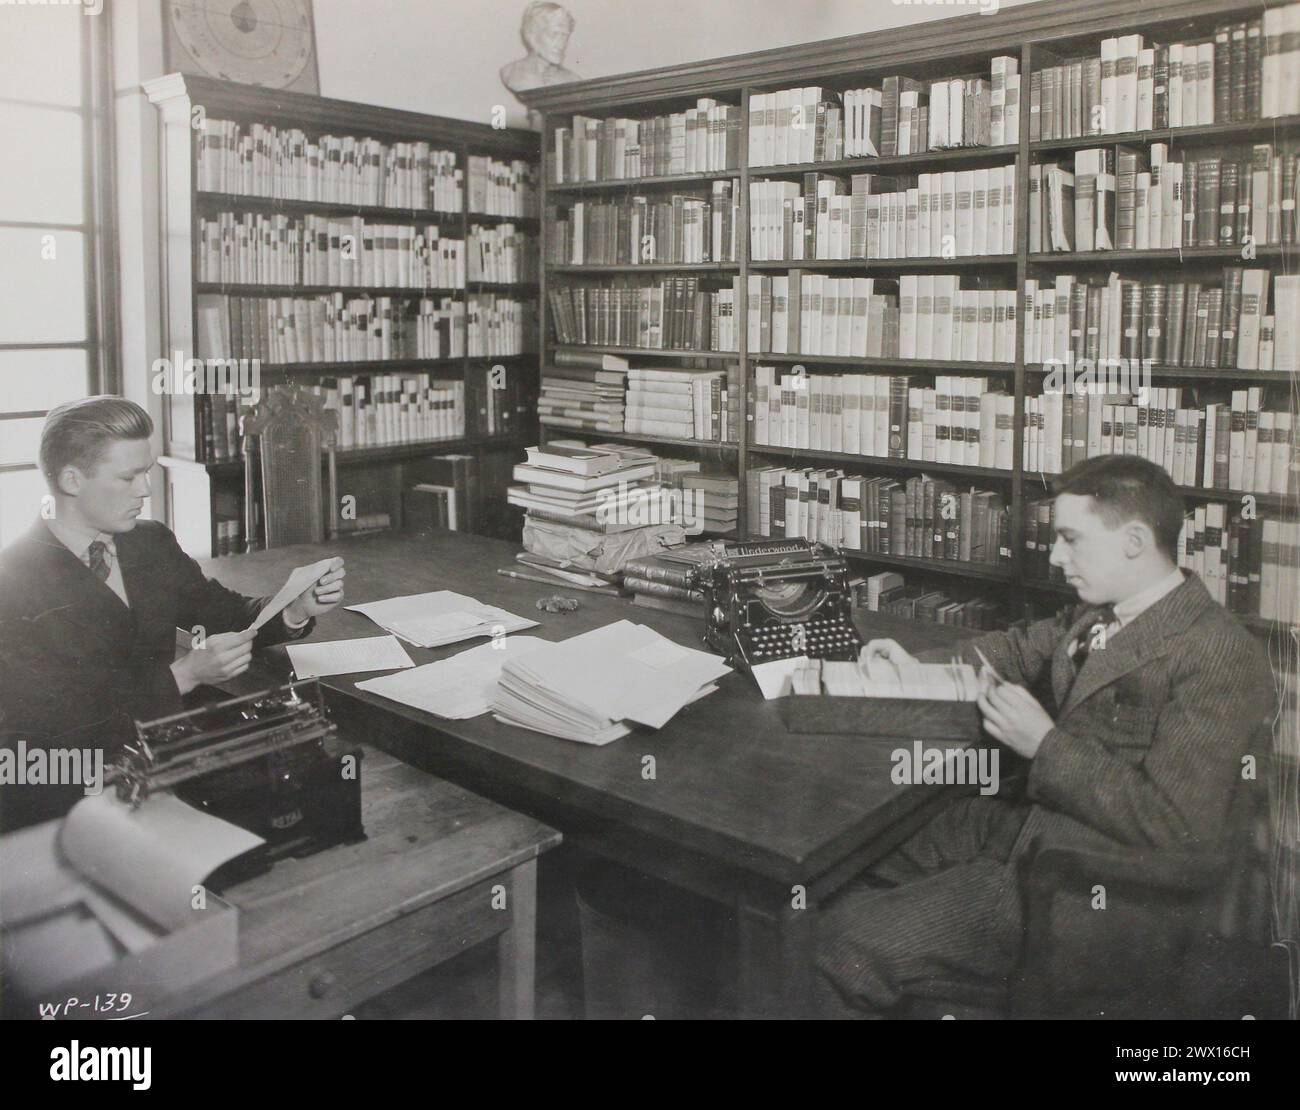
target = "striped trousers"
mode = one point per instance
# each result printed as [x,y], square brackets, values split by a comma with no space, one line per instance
[935,910]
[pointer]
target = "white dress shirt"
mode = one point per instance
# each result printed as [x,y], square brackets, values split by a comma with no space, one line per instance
[78,539]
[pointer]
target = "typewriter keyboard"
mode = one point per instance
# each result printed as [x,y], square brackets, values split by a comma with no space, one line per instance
[817,639]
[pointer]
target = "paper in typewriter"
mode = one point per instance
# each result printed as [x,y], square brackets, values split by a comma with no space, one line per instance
[440,617]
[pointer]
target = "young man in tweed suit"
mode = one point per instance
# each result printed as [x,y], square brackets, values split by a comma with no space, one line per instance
[1159,695]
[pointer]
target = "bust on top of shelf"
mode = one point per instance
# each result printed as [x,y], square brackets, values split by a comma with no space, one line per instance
[545,30]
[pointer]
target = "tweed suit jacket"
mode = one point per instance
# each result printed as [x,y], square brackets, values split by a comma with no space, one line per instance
[1149,740]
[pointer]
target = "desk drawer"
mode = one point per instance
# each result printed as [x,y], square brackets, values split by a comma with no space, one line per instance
[332,982]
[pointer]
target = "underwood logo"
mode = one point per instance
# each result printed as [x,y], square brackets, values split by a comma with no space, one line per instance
[286,820]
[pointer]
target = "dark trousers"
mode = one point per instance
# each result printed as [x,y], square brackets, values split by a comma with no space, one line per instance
[940,909]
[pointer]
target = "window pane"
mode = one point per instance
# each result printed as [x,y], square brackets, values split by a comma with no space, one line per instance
[20,440]
[43,176]
[42,47]
[20,502]
[36,381]
[43,275]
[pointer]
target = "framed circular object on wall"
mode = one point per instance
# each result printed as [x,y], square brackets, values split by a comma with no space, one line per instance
[271,43]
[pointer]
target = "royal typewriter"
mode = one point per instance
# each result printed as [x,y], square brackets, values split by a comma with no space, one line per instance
[776,599]
[269,762]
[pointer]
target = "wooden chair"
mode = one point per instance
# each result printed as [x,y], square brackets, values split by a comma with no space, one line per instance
[285,434]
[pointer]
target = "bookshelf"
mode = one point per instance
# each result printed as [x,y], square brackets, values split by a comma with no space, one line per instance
[440,334]
[1037,36]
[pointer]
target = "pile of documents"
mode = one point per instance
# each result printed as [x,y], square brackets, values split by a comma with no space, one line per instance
[442,617]
[880,678]
[594,687]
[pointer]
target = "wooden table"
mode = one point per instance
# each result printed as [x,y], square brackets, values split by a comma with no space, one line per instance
[739,810]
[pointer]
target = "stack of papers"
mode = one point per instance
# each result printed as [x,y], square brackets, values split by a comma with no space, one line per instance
[457,688]
[372,653]
[442,617]
[592,688]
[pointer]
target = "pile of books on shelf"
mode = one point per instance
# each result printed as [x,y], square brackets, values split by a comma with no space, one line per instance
[1233,444]
[499,188]
[673,313]
[501,253]
[1127,198]
[889,593]
[1247,563]
[919,518]
[904,116]
[253,248]
[329,328]
[584,389]
[958,421]
[1073,319]
[1246,71]
[258,159]
[870,215]
[670,580]
[702,139]
[683,228]
[682,403]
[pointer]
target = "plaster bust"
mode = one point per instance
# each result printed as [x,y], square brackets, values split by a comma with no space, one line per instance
[545,30]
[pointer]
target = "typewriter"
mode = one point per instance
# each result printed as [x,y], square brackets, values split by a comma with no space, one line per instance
[775,599]
[268,762]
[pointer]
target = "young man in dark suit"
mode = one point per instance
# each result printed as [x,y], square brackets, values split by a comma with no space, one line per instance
[1159,694]
[91,597]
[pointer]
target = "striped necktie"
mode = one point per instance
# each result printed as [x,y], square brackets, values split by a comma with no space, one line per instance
[97,559]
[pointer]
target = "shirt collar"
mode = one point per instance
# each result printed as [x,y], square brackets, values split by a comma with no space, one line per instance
[1132,607]
[77,538]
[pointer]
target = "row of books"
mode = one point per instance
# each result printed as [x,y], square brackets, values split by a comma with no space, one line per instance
[682,403]
[1234,445]
[660,314]
[889,593]
[329,328]
[256,248]
[499,188]
[502,253]
[1123,199]
[260,160]
[1240,325]
[1247,71]
[498,326]
[904,116]
[380,410]
[957,421]
[634,230]
[703,139]
[940,215]
[920,518]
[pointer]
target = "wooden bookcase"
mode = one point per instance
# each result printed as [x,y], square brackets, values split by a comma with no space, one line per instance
[929,50]
[200,488]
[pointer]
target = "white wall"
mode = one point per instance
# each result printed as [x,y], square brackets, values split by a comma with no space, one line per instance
[443,57]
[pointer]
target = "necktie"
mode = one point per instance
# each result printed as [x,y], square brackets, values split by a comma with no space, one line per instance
[1102,617]
[97,559]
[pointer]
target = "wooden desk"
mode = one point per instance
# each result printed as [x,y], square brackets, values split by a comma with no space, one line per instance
[440,870]
[740,810]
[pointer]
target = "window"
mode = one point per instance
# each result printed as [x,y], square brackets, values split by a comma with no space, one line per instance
[55,311]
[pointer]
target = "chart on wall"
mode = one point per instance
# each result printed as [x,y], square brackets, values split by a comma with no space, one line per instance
[271,43]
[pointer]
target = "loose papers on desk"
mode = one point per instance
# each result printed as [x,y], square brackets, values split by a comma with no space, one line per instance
[368,653]
[441,617]
[456,688]
[593,687]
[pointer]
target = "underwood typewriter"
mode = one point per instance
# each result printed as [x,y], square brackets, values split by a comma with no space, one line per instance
[269,762]
[775,599]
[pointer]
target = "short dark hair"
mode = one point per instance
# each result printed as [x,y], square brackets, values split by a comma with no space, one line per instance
[76,432]
[1127,487]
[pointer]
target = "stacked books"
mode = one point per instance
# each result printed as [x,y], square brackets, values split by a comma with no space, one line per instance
[260,160]
[869,215]
[672,313]
[682,403]
[584,389]
[498,188]
[670,580]
[596,490]
[714,500]
[703,139]
[1070,319]
[1232,444]
[921,518]
[595,687]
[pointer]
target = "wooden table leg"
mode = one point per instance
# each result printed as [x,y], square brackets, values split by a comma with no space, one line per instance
[517,946]
[776,957]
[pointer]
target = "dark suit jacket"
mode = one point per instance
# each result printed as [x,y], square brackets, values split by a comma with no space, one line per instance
[77,667]
[1149,739]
